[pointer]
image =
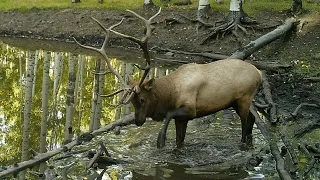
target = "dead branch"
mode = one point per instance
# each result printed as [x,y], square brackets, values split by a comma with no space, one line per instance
[268,97]
[310,126]
[207,55]
[289,148]
[64,172]
[313,79]
[172,61]
[312,149]
[37,174]
[98,155]
[94,159]
[269,66]
[104,149]
[280,165]
[253,46]
[198,20]
[295,112]
[311,162]
[42,157]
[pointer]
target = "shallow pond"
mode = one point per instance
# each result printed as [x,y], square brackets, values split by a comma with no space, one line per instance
[211,149]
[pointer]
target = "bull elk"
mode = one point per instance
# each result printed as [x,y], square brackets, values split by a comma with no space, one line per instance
[193,90]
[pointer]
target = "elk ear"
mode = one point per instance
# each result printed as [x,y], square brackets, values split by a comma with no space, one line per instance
[148,84]
[131,81]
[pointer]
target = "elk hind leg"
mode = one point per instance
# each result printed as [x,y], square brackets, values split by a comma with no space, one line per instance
[247,121]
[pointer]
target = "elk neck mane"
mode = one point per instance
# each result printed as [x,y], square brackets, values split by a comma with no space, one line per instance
[164,91]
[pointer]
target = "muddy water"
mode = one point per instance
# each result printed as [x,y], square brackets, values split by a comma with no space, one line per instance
[211,150]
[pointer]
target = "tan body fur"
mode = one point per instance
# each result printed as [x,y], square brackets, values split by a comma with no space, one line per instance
[196,90]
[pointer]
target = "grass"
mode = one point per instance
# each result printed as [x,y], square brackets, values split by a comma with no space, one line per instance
[251,6]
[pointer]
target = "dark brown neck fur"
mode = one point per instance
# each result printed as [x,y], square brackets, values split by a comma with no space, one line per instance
[164,91]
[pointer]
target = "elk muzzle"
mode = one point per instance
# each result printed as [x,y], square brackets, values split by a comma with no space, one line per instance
[139,121]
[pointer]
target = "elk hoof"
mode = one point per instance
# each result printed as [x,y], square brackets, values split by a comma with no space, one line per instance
[161,140]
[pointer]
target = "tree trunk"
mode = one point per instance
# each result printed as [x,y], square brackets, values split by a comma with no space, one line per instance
[44,114]
[235,11]
[21,86]
[296,7]
[27,110]
[81,82]
[58,67]
[129,72]
[160,72]
[95,95]
[70,99]
[148,4]
[36,57]
[101,81]
[203,9]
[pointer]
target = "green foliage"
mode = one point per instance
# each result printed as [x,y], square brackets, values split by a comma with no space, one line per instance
[251,7]
[305,68]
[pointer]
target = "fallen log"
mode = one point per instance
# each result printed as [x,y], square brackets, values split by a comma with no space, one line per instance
[42,157]
[255,45]
[36,160]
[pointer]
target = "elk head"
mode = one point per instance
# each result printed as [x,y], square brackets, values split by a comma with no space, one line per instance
[143,101]
[138,93]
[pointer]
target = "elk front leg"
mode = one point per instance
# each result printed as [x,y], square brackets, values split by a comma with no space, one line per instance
[162,134]
[181,128]
[182,111]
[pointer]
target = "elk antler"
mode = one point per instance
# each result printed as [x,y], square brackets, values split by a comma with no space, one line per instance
[102,49]
[142,42]
[129,92]
[106,58]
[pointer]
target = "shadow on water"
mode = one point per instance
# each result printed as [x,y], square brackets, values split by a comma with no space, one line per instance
[211,150]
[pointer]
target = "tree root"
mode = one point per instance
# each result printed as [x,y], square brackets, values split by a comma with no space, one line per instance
[295,112]
[234,22]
